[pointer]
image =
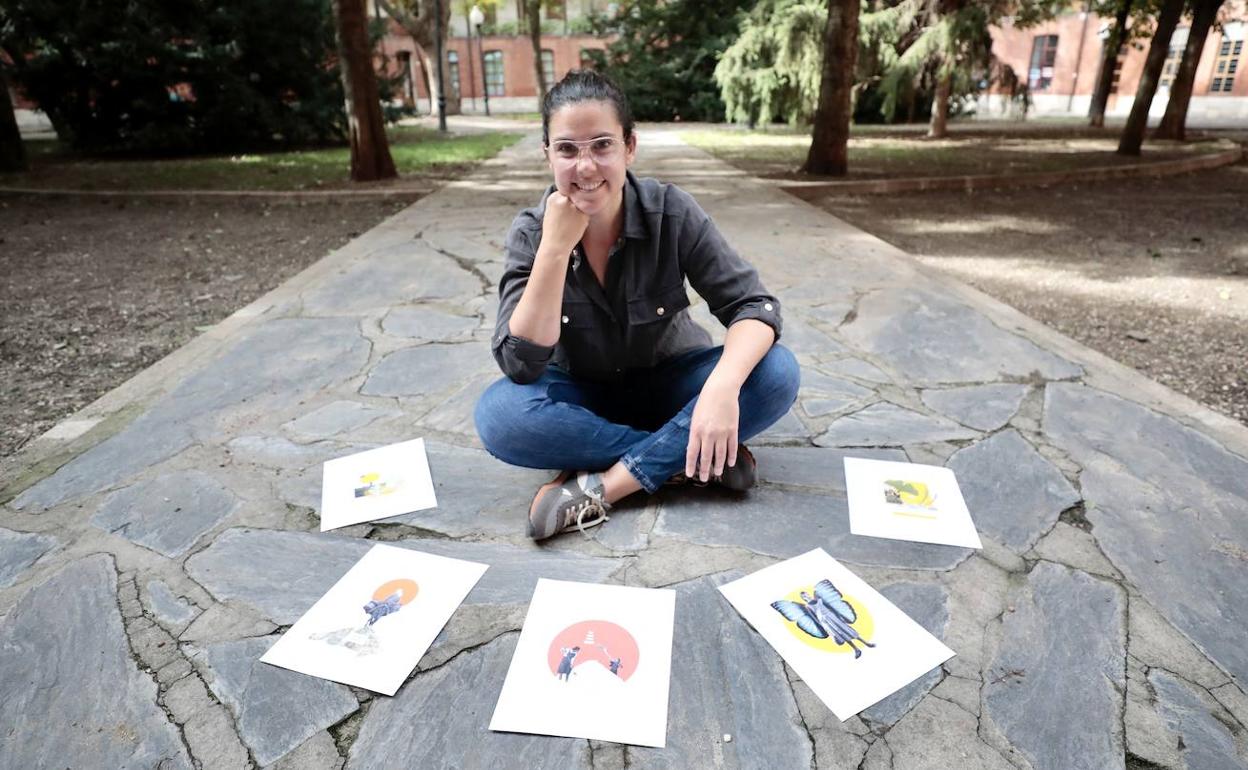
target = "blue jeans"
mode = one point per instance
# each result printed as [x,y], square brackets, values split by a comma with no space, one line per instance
[562,423]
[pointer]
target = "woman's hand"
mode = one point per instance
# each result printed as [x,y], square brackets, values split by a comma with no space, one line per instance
[713,431]
[563,224]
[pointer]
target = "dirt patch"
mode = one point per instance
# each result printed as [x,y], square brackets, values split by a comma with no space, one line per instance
[96,291]
[1151,272]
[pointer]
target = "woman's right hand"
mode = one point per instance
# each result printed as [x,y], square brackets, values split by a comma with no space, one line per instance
[564,224]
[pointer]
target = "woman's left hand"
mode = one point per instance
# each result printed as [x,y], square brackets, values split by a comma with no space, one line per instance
[713,431]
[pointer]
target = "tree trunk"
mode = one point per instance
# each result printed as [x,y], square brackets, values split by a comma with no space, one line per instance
[370,152]
[1137,122]
[1109,61]
[1174,122]
[829,142]
[939,127]
[422,29]
[12,152]
[533,14]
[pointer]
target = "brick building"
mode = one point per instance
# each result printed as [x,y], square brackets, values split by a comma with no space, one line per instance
[500,60]
[1060,61]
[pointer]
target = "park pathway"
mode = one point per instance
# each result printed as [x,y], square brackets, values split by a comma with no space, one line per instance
[154,545]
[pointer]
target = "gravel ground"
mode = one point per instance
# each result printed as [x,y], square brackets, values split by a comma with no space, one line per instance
[1151,272]
[93,292]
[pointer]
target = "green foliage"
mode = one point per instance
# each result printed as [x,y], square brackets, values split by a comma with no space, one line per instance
[665,53]
[176,76]
[773,70]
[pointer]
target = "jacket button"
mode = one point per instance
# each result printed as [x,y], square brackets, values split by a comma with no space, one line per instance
[768,307]
[565,319]
[660,311]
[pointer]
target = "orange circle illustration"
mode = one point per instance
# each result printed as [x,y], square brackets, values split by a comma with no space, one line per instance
[407,590]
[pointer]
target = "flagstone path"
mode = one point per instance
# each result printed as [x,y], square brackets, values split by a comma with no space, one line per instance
[155,545]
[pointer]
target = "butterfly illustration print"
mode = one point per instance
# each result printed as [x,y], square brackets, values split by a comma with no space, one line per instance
[823,615]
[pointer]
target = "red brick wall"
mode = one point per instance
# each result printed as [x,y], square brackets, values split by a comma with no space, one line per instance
[1013,47]
[518,74]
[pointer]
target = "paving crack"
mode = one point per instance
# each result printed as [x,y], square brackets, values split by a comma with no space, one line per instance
[345,731]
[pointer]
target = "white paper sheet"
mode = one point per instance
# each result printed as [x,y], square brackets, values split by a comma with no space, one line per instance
[905,501]
[850,658]
[372,628]
[376,484]
[593,661]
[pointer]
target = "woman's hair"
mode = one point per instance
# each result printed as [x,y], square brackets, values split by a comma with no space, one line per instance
[586,86]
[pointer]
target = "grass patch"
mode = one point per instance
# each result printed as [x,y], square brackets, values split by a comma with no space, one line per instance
[880,152]
[417,151]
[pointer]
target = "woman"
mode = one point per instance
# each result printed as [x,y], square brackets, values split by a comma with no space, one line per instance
[608,378]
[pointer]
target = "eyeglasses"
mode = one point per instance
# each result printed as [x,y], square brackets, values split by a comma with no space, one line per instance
[604,149]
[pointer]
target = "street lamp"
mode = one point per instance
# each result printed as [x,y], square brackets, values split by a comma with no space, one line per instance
[437,31]
[477,18]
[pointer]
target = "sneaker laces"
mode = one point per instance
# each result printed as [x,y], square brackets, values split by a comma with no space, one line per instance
[588,506]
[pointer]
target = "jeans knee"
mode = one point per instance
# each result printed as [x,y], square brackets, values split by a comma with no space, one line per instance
[494,415]
[780,375]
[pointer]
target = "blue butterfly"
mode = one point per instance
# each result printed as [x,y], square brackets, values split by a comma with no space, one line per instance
[824,614]
[377,610]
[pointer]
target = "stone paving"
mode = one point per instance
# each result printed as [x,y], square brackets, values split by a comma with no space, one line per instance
[155,545]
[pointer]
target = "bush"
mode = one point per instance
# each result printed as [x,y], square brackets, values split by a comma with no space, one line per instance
[665,54]
[177,76]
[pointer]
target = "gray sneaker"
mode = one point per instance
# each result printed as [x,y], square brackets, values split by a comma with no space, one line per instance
[570,501]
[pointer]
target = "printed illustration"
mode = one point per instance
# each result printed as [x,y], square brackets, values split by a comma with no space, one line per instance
[608,647]
[374,485]
[825,619]
[913,497]
[907,501]
[387,599]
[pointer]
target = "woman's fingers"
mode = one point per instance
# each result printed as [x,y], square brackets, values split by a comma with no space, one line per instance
[732,449]
[721,455]
[705,457]
[691,456]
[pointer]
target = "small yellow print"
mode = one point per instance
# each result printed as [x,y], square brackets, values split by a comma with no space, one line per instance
[909,493]
[374,486]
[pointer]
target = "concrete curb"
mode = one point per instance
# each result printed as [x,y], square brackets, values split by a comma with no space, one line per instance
[1229,154]
[409,194]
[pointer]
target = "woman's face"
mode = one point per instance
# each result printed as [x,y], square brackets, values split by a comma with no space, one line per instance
[591,174]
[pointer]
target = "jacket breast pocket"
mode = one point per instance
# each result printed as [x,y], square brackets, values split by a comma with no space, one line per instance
[659,305]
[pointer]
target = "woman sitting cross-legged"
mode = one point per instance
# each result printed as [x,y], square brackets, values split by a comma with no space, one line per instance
[608,378]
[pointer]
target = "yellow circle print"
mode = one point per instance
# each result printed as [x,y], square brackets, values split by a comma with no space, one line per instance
[864,625]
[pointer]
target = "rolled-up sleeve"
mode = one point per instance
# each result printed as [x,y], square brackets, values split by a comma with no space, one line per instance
[729,284]
[521,359]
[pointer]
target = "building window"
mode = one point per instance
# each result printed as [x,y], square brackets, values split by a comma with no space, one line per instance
[1122,57]
[1178,41]
[548,68]
[452,62]
[556,10]
[409,83]
[1043,57]
[1225,66]
[494,73]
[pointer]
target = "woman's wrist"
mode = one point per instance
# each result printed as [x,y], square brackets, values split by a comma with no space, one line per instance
[724,383]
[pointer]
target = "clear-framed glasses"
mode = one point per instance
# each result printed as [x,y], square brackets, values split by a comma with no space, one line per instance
[603,149]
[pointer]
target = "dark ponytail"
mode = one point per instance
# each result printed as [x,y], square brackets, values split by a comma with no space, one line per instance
[586,86]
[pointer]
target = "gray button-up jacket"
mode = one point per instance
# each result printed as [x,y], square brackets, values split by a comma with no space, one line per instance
[640,318]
